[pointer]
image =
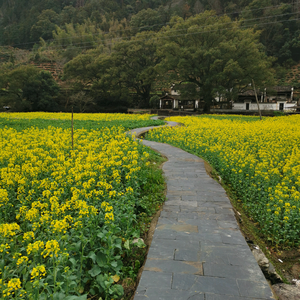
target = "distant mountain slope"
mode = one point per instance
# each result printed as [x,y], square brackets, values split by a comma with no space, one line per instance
[23,23]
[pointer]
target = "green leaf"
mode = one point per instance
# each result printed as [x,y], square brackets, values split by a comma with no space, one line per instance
[118,243]
[59,296]
[117,289]
[28,287]
[92,256]
[82,297]
[72,284]
[94,271]
[126,245]
[101,281]
[2,263]
[77,246]
[140,244]
[114,264]
[73,261]
[80,289]
[102,234]
[43,296]
[101,259]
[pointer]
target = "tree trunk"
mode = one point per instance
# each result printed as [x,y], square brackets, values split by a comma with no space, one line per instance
[207,97]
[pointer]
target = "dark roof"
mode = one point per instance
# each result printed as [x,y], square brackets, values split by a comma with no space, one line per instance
[175,97]
[286,88]
[277,89]
[166,97]
[247,93]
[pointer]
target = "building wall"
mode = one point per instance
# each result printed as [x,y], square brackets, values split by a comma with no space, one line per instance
[175,104]
[263,106]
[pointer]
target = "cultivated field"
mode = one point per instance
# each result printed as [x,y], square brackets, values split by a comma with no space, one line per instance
[259,160]
[70,219]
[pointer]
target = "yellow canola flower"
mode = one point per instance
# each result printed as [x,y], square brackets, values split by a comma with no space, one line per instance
[35,247]
[22,259]
[28,236]
[9,230]
[53,190]
[3,197]
[104,204]
[4,248]
[79,116]
[51,249]
[38,272]
[60,226]
[109,217]
[12,286]
[259,159]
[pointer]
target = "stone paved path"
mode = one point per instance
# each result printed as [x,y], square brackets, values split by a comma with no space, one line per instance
[197,251]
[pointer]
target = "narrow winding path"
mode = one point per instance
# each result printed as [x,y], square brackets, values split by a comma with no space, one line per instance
[197,251]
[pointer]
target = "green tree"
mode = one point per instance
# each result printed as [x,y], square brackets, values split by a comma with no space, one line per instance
[41,91]
[129,68]
[85,35]
[26,88]
[95,71]
[279,27]
[154,101]
[215,55]
[145,20]
[45,25]
[81,101]
[12,83]
[135,63]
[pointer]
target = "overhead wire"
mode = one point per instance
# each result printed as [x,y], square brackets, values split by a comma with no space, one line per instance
[162,37]
[115,40]
[170,23]
[231,22]
[162,24]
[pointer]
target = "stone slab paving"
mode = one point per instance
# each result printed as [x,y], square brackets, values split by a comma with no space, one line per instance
[197,251]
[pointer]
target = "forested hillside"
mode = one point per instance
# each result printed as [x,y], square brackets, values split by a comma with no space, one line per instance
[22,23]
[88,33]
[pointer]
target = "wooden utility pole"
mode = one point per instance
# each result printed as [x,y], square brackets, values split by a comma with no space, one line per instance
[256,99]
[72,130]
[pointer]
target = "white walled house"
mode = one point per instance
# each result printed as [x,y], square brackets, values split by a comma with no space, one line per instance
[279,105]
[279,98]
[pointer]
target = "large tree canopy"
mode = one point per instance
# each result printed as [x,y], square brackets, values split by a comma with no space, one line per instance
[95,70]
[128,68]
[135,62]
[213,54]
[26,88]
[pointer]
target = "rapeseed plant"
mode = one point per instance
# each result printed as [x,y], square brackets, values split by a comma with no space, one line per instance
[64,212]
[259,159]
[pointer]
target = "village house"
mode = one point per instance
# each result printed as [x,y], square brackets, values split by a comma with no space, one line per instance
[279,98]
[174,101]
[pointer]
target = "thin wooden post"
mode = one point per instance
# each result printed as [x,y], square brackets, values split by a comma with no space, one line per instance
[72,130]
[256,99]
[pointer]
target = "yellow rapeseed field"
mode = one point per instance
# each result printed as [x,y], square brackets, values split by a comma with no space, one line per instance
[66,215]
[66,116]
[260,160]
